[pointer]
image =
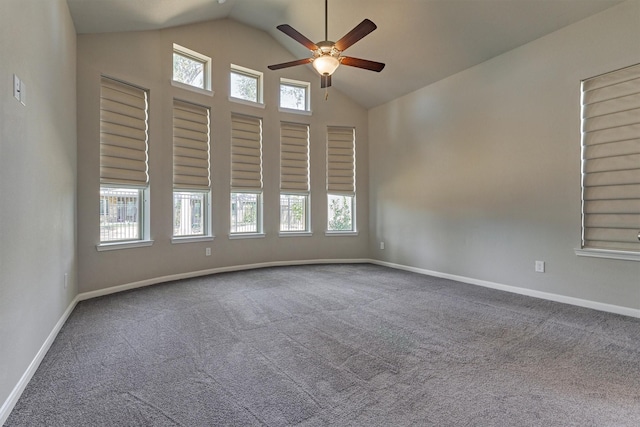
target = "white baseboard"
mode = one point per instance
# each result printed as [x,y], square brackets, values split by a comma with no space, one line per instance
[11,401]
[15,394]
[125,287]
[610,308]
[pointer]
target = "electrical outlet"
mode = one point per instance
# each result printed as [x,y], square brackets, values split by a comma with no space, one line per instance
[539,266]
[382,245]
[207,252]
[23,93]
[16,87]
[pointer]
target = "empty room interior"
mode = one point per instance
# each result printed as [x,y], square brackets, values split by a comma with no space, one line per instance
[242,212]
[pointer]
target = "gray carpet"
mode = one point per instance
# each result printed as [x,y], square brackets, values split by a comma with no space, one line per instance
[343,345]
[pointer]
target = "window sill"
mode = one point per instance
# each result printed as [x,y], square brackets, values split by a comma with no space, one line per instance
[123,245]
[246,236]
[245,102]
[295,234]
[609,254]
[191,239]
[191,88]
[340,233]
[294,111]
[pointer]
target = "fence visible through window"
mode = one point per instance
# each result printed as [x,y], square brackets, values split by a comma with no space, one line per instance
[188,213]
[293,212]
[119,214]
[244,212]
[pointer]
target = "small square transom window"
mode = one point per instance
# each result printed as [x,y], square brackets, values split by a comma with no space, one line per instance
[191,68]
[294,95]
[246,84]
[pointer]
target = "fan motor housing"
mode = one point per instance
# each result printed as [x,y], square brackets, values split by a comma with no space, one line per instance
[326,48]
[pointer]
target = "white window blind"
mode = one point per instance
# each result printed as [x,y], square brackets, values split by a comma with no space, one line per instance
[123,134]
[611,160]
[341,160]
[294,157]
[190,146]
[246,152]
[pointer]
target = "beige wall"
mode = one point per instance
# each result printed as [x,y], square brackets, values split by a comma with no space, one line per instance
[478,175]
[144,59]
[37,179]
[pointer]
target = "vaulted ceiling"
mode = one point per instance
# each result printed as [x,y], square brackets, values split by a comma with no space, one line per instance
[421,41]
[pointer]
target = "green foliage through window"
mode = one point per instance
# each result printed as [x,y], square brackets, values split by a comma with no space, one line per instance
[293,212]
[340,213]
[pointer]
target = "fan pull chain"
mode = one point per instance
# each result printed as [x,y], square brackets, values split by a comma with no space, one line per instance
[326,96]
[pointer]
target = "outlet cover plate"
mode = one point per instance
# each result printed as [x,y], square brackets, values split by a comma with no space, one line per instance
[16,87]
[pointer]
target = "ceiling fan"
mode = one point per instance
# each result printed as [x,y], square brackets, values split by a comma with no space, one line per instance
[327,55]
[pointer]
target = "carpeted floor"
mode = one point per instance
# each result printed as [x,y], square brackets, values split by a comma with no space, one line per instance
[342,345]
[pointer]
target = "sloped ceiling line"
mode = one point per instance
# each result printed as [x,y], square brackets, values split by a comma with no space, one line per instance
[421,41]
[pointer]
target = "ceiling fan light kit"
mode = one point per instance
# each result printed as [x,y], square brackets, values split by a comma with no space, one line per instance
[327,55]
[325,64]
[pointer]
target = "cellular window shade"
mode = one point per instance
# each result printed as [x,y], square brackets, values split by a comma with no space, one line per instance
[190,146]
[246,152]
[341,160]
[123,134]
[611,160]
[294,157]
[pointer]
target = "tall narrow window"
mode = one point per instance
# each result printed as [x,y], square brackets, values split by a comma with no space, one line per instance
[294,177]
[124,177]
[611,161]
[341,179]
[246,84]
[246,175]
[191,174]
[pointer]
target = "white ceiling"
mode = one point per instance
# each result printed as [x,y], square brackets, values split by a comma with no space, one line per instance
[421,41]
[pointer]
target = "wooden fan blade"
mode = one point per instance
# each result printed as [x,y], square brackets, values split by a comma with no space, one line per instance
[325,81]
[361,30]
[362,63]
[290,64]
[297,36]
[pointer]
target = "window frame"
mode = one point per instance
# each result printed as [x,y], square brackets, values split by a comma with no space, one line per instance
[354,228]
[295,174]
[206,218]
[248,72]
[246,174]
[191,112]
[299,84]
[259,232]
[336,185]
[307,214]
[596,132]
[198,57]
[124,183]
[143,207]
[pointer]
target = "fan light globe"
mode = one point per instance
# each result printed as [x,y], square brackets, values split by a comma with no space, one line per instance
[325,64]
